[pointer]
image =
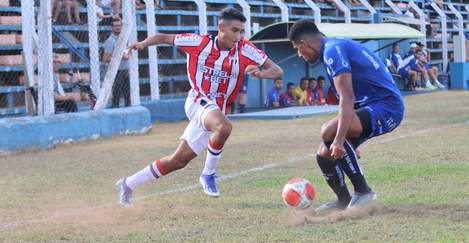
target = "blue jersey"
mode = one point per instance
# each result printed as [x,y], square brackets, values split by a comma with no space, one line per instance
[396,60]
[273,96]
[409,63]
[371,80]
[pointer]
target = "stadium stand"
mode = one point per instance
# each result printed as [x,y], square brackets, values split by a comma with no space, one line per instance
[172,16]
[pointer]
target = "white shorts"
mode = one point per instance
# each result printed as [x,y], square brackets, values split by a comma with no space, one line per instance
[195,134]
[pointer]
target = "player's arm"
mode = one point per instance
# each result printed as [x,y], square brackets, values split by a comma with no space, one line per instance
[343,84]
[159,38]
[269,70]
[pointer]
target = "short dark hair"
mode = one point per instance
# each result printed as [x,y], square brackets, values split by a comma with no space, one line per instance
[304,78]
[301,28]
[232,14]
[290,84]
[312,79]
[321,78]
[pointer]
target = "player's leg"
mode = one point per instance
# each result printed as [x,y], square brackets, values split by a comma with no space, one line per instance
[177,160]
[333,170]
[217,123]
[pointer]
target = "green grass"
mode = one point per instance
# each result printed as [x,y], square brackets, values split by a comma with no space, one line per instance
[420,173]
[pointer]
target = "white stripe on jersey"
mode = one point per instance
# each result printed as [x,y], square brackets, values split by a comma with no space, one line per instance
[235,63]
[200,63]
[218,65]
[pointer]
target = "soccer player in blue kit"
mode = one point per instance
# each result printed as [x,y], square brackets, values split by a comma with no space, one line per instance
[370,105]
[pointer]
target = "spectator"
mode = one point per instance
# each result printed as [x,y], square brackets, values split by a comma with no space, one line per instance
[321,97]
[287,99]
[408,70]
[113,5]
[63,101]
[301,92]
[69,5]
[121,86]
[100,14]
[432,70]
[395,57]
[421,67]
[313,84]
[273,98]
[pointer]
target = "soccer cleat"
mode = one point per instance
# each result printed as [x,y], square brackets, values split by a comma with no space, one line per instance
[125,193]
[362,199]
[209,185]
[331,206]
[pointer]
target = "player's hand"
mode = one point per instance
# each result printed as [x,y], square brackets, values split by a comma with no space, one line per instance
[135,46]
[253,70]
[337,150]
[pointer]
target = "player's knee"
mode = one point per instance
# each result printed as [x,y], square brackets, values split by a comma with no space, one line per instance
[324,151]
[224,128]
[326,134]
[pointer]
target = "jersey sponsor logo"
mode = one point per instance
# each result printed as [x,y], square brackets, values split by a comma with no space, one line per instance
[371,59]
[341,57]
[215,95]
[188,40]
[252,53]
[214,75]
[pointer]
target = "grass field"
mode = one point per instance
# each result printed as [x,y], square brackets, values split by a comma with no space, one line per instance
[420,172]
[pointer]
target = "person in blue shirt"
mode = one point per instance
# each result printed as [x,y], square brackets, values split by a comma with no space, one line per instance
[370,105]
[273,97]
[409,69]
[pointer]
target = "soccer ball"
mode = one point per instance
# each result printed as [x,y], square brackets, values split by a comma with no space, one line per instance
[298,193]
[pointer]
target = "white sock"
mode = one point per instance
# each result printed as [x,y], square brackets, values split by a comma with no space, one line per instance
[147,174]
[213,155]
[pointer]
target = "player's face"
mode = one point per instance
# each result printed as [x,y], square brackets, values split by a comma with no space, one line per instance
[278,84]
[116,27]
[313,84]
[230,32]
[307,50]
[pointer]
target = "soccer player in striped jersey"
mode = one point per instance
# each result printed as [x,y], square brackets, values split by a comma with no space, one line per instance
[216,66]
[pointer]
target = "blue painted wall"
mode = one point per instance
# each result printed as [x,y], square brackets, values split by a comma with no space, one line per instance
[42,132]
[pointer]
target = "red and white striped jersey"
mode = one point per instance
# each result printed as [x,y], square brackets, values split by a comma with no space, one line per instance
[215,74]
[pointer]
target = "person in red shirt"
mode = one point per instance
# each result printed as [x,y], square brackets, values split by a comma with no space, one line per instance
[216,68]
[321,96]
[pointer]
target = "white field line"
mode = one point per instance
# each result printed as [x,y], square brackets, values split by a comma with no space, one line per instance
[227,177]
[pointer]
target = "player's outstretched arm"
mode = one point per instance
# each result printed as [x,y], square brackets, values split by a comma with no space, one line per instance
[343,84]
[151,41]
[270,70]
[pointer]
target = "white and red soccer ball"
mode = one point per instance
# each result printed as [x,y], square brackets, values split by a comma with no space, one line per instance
[298,193]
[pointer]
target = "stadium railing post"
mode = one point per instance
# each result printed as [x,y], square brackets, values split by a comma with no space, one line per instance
[247,12]
[345,10]
[94,46]
[423,27]
[444,34]
[460,43]
[316,11]
[129,16]
[28,28]
[283,8]
[45,82]
[202,8]
[152,52]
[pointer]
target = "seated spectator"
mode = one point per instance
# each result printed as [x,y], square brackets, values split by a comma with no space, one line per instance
[68,5]
[395,57]
[63,101]
[301,92]
[421,62]
[408,70]
[273,98]
[331,97]
[100,14]
[113,5]
[314,97]
[287,99]
[432,70]
[321,96]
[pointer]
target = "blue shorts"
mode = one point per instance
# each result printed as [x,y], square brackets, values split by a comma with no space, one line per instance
[386,115]
[404,73]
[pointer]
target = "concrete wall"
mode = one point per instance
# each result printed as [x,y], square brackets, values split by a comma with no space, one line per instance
[167,110]
[42,132]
